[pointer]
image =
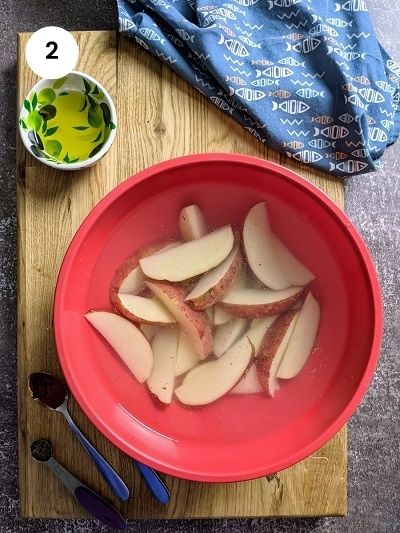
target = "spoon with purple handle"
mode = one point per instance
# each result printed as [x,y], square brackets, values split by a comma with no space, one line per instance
[94,504]
[52,393]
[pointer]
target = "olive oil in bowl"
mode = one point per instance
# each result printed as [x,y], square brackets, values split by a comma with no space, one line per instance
[77,131]
[65,125]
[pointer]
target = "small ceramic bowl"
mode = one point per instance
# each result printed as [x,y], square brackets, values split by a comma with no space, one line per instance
[49,141]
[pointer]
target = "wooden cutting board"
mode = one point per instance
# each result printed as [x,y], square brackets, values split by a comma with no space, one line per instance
[160,116]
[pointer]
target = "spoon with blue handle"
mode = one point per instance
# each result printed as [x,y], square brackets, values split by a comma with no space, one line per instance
[154,483]
[94,504]
[52,393]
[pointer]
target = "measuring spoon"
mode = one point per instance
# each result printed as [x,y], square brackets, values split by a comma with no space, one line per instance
[52,393]
[94,504]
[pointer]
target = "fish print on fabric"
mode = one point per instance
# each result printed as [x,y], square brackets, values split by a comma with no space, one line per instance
[309,78]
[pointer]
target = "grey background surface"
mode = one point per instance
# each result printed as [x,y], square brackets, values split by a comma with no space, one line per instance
[373,203]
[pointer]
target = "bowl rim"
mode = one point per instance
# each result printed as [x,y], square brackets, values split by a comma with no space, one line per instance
[347,226]
[79,164]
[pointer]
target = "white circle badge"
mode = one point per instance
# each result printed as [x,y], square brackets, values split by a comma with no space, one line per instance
[52,52]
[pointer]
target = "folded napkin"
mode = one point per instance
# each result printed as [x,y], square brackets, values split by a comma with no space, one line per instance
[308,78]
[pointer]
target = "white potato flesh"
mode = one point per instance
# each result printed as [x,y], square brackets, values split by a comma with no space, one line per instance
[211,380]
[126,339]
[259,296]
[134,282]
[227,334]
[211,279]
[187,357]
[295,271]
[190,258]
[302,340]
[260,251]
[162,379]
[192,223]
[221,316]
[249,384]
[258,328]
[149,330]
[146,309]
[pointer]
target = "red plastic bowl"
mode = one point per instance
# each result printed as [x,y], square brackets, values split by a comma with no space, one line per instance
[237,437]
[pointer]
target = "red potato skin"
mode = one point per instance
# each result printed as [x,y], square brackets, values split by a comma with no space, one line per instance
[199,318]
[186,284]
[269,346]
[216,293]
[259,310]
[126,268]
[252,360]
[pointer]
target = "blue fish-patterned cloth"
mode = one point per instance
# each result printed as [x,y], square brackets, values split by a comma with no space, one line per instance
[308,78]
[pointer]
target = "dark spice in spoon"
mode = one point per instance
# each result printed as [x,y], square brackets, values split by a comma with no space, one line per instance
[48,389]
[41,450]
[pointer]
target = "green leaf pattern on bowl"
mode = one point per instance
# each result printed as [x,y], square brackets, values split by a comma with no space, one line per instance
[51,131]
[97,139]
[34,121]
[46,96]
[59,83]
[53,147]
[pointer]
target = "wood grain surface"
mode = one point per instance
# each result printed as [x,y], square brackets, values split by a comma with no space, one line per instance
[160,116]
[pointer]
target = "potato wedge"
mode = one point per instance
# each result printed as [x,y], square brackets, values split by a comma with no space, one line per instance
[302,340]
[190,258]
[227,334]
[194,323]
[126,339]
[143,310]
[260,251]
[249,384]
[221,316]
[255,303]
[187,357]
[192,223]
[257,331]
[162,378]
[129,278]
[214,285]
[273,349]
[211,380]
[295,271]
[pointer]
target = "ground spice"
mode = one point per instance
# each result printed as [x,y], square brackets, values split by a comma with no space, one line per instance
[41,450]
[48,389]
